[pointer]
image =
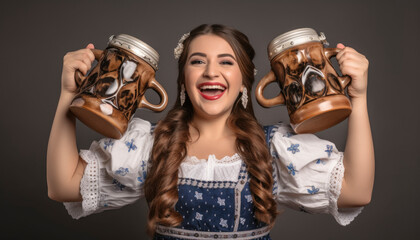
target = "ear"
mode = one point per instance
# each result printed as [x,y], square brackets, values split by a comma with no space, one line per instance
[242,88]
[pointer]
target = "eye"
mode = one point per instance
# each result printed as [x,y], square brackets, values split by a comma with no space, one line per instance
[226,62]
[196,61]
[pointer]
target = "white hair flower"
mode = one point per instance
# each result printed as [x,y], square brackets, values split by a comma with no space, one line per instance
[180,47]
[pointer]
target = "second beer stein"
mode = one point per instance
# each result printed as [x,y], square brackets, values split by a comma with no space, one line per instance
[310,87]
[113,90]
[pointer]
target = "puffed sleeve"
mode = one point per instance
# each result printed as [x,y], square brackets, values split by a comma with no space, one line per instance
[308,173]
[115,171]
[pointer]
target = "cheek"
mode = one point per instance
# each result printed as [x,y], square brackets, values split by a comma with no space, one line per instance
[235,79]
[190,86]
[191,75]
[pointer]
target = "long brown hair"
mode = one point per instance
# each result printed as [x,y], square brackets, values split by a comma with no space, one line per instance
[172,135]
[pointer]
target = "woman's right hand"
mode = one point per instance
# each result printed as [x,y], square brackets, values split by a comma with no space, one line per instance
[64,166]
[78,60]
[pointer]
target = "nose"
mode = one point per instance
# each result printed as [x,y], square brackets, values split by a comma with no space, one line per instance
[211,70]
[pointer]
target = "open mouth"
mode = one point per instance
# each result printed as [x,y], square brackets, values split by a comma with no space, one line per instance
[211,91]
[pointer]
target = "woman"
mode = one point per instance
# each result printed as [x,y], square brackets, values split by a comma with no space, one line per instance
[210,173]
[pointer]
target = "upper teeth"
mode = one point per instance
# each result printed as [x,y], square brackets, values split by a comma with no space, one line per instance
[212,87]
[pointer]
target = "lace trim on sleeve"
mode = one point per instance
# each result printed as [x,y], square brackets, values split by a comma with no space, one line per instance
[343,216]
[89,188]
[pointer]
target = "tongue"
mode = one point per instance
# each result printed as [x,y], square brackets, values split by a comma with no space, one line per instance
[212,92]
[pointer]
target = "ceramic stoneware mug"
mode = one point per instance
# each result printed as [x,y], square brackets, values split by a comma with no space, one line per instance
[113,90]
[310,87]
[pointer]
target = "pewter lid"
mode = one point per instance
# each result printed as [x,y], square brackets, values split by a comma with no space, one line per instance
[292,38]
[137,47]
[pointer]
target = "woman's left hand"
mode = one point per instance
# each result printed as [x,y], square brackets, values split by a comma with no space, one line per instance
[355,65]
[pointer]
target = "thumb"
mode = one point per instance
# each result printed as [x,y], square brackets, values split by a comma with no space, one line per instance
[340,46]
[90,46]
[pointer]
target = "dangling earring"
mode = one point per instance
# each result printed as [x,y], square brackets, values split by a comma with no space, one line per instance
[244,97]
[182,95]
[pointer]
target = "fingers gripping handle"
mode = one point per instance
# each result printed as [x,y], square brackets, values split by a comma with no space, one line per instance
[332,52]
[153,84]
[78,76]
[267,79]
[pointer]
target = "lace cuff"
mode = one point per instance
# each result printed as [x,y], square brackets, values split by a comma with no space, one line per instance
[89,188]
[343,216]
[115,171]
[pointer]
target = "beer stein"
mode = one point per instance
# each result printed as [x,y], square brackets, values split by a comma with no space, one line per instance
[110,94]
[310,87]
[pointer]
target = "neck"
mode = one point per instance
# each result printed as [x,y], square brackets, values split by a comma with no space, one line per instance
[214,128]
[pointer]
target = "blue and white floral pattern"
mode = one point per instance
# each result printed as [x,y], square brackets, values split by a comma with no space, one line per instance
[131,145]
[198,216]
[313,190]
[329,150]
[122,171]
[221,201]
[108,143]
[142,177]
[291,169]
[218,205]
[118,185]
[248,198]
[223,223]
[198,196]
[294,148]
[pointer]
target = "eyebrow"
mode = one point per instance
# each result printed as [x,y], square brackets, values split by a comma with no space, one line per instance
[226,55]
[219,56]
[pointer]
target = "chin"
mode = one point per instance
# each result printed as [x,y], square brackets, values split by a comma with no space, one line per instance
[213,112]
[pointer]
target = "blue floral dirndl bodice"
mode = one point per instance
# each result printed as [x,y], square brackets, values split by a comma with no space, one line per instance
[215,210]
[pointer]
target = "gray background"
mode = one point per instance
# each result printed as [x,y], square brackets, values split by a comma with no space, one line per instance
[35,36]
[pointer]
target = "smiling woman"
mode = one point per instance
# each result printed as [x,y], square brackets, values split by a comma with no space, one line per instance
[212,170]
[215,122]
[213,78]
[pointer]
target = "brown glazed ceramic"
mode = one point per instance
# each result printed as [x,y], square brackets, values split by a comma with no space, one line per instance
[310,87]
[110,94]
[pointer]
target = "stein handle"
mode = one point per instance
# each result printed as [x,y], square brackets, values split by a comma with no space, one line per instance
[78,76]
[332,52]
[267,79]
[153,84]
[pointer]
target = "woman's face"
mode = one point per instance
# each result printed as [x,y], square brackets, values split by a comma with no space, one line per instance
[213,79]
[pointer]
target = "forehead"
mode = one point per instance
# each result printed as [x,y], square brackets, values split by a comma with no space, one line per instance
[210,45]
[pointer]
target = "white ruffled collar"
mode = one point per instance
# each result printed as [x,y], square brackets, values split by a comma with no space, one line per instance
[211,169]
[235,158]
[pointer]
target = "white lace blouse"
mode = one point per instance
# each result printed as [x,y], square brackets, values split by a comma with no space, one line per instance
[308,172]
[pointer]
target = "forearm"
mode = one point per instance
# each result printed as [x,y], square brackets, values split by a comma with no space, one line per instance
[62,154]
[359,160]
